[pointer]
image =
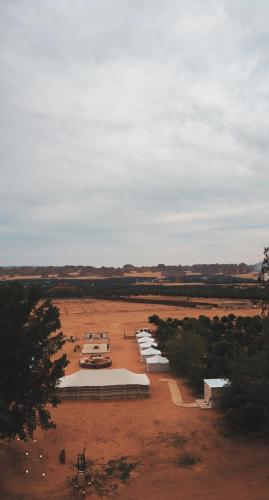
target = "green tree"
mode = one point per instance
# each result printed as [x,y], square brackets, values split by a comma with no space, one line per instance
[245,400]
[29,366]
[186,354]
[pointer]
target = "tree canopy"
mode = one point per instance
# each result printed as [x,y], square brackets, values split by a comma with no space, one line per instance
[29,366]
[234,348]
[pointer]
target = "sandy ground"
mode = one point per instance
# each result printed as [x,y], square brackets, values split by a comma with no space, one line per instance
[229,467]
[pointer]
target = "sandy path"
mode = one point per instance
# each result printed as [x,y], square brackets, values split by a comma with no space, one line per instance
[176,394]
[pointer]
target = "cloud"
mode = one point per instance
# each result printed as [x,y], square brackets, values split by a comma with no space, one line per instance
[133,131]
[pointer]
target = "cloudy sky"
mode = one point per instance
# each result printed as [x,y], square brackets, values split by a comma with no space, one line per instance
[133,131]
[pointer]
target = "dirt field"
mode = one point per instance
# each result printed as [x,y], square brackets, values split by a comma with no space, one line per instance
[153,432]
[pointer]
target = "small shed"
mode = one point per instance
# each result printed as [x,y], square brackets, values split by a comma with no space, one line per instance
[148,353]
[212,389]
[157,364]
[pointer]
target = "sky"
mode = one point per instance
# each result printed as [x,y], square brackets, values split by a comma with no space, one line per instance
[133,131]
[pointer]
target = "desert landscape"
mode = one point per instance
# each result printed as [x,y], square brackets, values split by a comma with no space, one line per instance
[153,433]
[134,256]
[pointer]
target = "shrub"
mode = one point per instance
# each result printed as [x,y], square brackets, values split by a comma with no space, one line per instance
[187,459]
[62,456]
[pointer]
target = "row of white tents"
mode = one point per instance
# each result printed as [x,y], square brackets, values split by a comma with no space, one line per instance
[149,353]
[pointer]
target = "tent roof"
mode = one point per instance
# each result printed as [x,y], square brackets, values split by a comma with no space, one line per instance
[144,339]
[147,345]
[115,376]
[150,350]
[216,382]
[143,334]
[158,359]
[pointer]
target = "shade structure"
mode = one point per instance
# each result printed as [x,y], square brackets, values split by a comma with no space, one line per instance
[148,353]
[95,348]
[157,364]
[140,335]
[110,384]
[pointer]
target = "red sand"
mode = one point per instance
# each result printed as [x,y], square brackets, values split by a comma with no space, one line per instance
[229,467]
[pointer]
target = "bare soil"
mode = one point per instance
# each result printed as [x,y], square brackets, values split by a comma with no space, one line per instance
[154,432]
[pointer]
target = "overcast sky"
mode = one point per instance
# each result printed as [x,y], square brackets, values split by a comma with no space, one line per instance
[133,131]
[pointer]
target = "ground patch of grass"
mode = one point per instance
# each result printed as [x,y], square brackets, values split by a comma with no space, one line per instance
[176,439]
[120,468]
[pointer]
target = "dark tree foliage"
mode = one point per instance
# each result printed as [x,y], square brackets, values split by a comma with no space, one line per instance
[29,367]
[245,401]
[235,348]
[129,287]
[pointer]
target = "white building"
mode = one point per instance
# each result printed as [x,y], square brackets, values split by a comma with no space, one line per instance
[212,389]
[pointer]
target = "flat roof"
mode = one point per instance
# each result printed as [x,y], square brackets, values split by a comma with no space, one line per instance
[216,382]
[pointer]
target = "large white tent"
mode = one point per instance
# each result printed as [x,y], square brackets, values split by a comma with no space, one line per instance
[157,364]
[117,383]
[148,353]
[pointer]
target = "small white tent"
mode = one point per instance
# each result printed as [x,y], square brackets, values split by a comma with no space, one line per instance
[148,344]
[144,339]
[144,330]
[142,335]
[148,353]
[157,364]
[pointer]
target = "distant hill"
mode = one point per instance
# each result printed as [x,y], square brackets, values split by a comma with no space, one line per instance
[159,271]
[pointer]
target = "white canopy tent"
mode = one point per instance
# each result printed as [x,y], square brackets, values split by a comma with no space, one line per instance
[148,344]
[141,335]
[144,330]
[117,383]
[145,339]
[148,353]
[157,364]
